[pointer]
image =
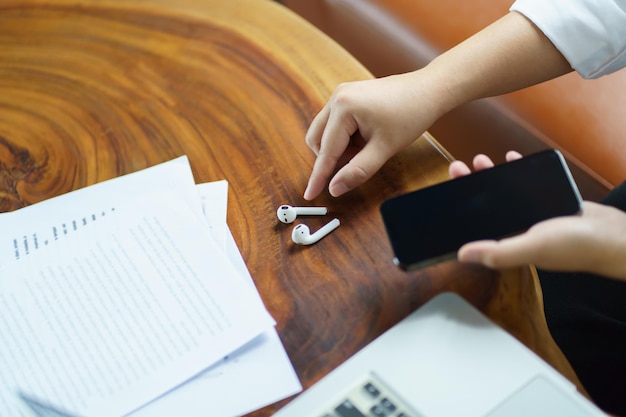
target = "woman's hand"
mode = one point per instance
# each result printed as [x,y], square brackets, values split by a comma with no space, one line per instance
[363,125]
[594,241]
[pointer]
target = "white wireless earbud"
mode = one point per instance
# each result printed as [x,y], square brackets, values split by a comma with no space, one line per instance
[288,214]
[302,235]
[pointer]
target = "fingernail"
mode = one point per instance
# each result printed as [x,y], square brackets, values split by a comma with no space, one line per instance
[469,256]
[307,191]
[337,189]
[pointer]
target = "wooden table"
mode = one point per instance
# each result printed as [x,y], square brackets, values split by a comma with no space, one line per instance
[90,90]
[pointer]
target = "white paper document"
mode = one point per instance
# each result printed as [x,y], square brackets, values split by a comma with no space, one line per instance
[258,374]
[51,222]
[119,294]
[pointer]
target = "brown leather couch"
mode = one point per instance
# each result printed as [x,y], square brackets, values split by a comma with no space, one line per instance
[585,119]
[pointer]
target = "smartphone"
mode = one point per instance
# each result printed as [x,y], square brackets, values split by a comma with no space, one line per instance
[431,224]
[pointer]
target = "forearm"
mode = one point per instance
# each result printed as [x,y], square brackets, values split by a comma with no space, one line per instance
[510,54]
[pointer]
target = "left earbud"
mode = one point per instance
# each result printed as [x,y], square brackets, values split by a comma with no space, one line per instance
[288,214]
[302,235]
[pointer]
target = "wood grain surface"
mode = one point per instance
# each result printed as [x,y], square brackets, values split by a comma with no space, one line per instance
[90,90]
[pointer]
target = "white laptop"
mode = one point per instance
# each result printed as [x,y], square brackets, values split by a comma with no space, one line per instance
[444,360]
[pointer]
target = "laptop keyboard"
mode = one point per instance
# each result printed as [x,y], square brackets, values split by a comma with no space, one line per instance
[370,398]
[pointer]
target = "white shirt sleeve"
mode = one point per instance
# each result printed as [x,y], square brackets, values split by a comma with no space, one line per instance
[591,34]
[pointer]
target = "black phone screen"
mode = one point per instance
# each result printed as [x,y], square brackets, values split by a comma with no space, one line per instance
[431,224]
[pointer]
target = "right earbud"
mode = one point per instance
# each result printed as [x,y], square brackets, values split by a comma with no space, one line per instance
[302,235]
[288,214]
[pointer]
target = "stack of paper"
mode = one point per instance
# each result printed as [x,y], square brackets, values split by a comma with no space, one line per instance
[130,297]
